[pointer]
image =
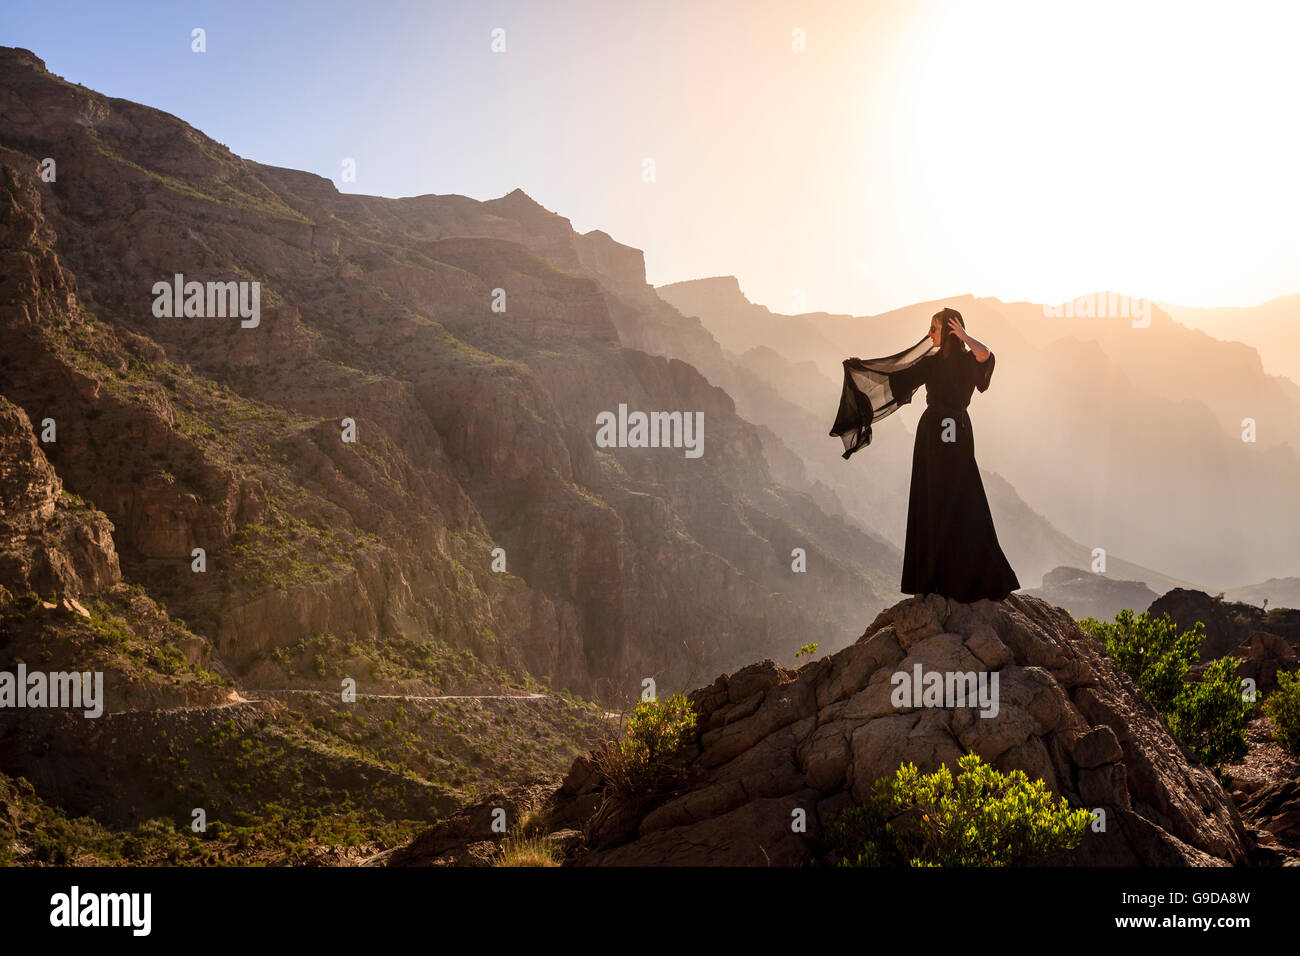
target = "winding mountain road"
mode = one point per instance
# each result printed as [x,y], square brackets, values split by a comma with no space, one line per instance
[411,697]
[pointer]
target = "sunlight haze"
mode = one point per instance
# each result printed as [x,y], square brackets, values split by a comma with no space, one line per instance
[916,150]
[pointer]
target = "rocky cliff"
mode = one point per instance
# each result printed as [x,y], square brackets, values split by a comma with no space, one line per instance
[171,734]
[472,344]
[388,471]
[771,741]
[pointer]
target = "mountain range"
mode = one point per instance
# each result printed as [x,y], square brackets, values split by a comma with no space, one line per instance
[1105,433]
[361,450]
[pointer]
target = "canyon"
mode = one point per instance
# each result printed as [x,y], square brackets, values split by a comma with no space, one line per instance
[393,469]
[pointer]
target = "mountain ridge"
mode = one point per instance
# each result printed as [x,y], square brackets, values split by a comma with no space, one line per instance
[1112,399]
[390,300]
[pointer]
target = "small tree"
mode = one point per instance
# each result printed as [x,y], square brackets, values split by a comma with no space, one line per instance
[1212,716]
[1283,709]
[647,757]
[982,818]
[1151,651]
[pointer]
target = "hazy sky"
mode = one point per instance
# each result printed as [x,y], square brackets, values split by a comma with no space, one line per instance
[916,149]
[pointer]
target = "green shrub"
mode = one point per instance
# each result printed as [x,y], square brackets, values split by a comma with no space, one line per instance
[1283,709]
[110,629]
[983,818]
[1212,717]
[1151,651]
[647,758]
[1209,717]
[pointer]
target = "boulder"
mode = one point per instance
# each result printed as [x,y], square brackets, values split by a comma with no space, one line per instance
[820,737]
[778,753]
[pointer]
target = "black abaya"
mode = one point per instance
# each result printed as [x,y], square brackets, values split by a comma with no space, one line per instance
[952,548]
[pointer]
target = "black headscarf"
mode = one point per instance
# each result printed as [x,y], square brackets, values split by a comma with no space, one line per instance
[867,397]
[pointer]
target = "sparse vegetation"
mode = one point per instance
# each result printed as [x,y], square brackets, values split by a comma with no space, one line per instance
[648,757]
[980,818]
[1211,717]
[527,851]
[1283,709]
[34,833]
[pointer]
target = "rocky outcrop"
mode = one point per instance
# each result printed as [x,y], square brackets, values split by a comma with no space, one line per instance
[472,835]
[58,560]
[1228,624]
[1263,642]
[1274,809]
[773,741]
[1262,657]
[1085,594]
[49,543]
[1265,786]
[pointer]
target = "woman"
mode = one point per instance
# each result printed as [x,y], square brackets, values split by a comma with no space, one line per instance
[952,548]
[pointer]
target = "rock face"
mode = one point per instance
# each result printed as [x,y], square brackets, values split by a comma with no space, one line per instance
[476,426]
[1085,594]
[772,741]
[1262,657]
[1229,625]
[1275,810]
[48,544]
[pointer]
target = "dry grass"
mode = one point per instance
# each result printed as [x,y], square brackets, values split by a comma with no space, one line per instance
[528,851]
[526,844]
[532,820]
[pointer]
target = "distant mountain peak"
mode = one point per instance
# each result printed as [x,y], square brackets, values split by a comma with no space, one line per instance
[729,284]
[517,196]
[520,206]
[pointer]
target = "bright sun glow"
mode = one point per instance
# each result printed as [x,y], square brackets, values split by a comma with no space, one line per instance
[1050,149]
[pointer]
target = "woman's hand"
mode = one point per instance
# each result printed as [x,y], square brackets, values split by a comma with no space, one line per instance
[980,350]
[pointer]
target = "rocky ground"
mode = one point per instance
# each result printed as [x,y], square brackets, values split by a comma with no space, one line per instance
[771,741]
[1266,790]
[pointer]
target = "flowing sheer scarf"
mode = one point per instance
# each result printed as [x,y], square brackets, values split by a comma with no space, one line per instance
[867,396]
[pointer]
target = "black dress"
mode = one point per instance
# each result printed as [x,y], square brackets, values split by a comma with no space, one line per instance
[951,546]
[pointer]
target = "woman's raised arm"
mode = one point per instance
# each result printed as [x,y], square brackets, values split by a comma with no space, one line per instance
[979,348]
